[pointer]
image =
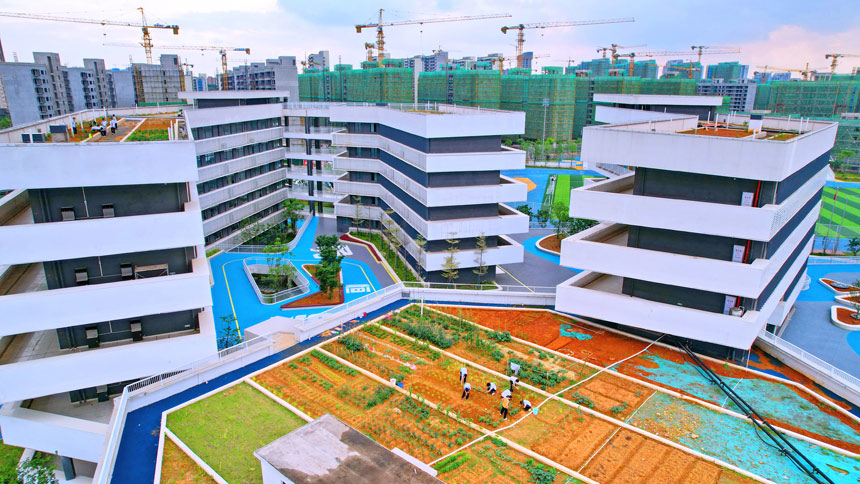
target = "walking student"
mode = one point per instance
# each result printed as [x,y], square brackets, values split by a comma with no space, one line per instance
[491,388]
[527,405]
[464,373]
[467,389]
[113,124]
[506,402]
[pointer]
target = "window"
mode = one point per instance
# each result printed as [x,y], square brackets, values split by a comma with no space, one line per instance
[81,276]
[67,213]
[126,271]
[107,211]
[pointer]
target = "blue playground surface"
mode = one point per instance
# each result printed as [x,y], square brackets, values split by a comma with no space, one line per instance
[233,294]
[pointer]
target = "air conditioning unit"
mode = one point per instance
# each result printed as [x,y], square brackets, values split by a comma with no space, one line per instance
[136,330]
[92,337]
[102,393]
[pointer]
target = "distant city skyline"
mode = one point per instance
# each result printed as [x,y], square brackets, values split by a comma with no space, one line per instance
[782,34]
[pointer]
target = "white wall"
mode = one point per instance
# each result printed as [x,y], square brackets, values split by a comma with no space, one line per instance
[465,121]
[51,433]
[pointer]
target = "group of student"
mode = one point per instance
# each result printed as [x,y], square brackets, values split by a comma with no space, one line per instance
[100,127]
[491,389]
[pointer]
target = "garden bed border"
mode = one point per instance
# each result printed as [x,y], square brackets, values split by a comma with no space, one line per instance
[537,244]
[839,324]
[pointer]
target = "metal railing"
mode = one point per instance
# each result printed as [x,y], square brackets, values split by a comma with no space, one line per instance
[821,260]
[840,376]
[484,288]
[262,265]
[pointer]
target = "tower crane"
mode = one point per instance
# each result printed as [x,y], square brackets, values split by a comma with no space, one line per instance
[380,35]
[546,25]
[835,60]
[369,46]
[804,72]
[614,49]
[726,50]
[143,25]
[221,50]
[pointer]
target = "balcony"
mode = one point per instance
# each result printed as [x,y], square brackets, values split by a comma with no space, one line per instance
[31,243]
[663,145]
[243,211]
[613,200]
[66,370]
[220,143]
[230,192]
[72,306]
[508,251]
[504,159]
[316,133]
[603,248]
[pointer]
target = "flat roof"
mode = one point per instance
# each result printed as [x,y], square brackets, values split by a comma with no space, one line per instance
[255,94]
[659,99]
[329,451]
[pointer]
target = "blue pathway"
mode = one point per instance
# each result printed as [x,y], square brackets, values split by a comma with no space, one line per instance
[138,449]
[540,177]
[234,294]
[530,245]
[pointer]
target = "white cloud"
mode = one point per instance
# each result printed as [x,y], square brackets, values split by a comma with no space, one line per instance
[792,46]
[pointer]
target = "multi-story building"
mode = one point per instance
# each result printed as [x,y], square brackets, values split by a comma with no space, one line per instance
[252,154]
[707,240]
[682,68]
[56,79]
[279,74]
[741,91]
[646,69]
[432,175]
[728,71]
[200,83]
[765,77]
[97,67]
[120,88]
[81,90]
[112,285]
[158,83]
[526,60]
[320,60]
[427,63]
[28,91]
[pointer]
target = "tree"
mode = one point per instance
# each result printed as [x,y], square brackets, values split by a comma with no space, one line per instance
[844,155]
[421,242]
[292,209]
[357,218]
[543,215]
[854,298]
[526,209]
[388,230]
[480,248]
[854,246]
[36,471]
[561,219]
[281,272]
[229,335]
[250,230]
[328,270]
[450,268]
[508,142]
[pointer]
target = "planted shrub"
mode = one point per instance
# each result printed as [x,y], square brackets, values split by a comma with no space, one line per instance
[582,400]
[424,331]
[380,395]
[352,343]
[500,336]
[537,374]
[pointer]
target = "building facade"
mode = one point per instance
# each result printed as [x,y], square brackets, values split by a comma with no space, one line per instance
[683,69]
[81,90]
[709,247]
[158,83]
[728,71]
[741,91]
[28,91]
[279,74]
[320,60]
[124,296]
[433,177]
[56,79]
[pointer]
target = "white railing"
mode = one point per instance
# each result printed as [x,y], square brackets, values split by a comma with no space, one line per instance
[841,377]
[821,260]
[483,288]
[257,265]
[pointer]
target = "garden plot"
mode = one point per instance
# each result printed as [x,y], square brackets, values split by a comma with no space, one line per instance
[782,404]
[225,429]
[178,468]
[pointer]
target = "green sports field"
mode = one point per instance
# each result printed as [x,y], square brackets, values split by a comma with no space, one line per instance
[565,183]
[839,217]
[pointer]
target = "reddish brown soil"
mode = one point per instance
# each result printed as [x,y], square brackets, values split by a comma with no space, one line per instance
[612,395]
[829,282]
[373,251]
[178,468]
[846,316]
[317,389]
[156,124]
[317,298]
[489,462]
[719,132]
[633,458]
[853,299]
[552,244]
[606,348]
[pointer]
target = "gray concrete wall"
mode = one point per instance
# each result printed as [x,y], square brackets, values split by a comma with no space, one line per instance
[127,200]
[121,88]
[21,95]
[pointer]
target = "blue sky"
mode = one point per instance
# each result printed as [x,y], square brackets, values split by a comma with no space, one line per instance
[785,33]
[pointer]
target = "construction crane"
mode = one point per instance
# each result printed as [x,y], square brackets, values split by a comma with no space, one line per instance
[143,25]
[221,50]
[369,46]
[835,60]
[701,48]
[689,68]
[614,49]
[546,25]
[380,35]
[804,72]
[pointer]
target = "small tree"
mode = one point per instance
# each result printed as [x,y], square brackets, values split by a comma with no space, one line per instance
[395,242]
[388,229]
[281,271]
[561,219]
[526,209]
[854,298]
[450,268]
[854,246]
[508,142]
[480,248]
[357,217]
[421,242]
[844,156]
[543,215]
[249,230]
[36,471]
[328,270]
[229,334]
[292,209]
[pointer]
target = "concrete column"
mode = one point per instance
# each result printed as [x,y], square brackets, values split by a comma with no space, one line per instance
[68,467]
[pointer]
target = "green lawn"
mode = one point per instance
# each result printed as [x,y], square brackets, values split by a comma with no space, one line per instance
[839,217]
[565,183]
[394,260]
[9,457]
[226,428]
